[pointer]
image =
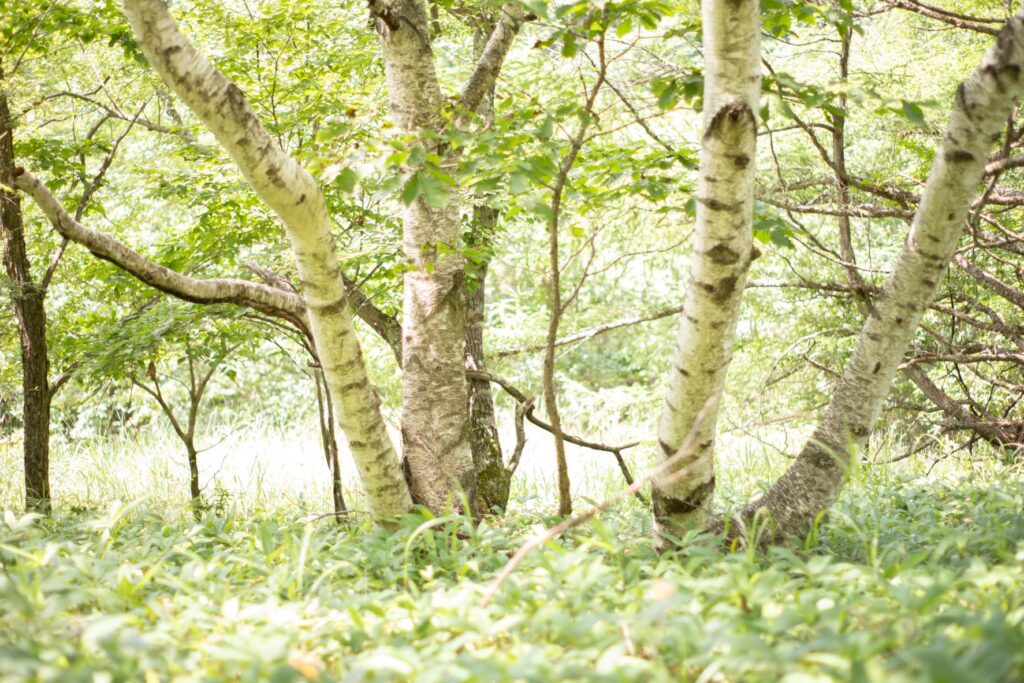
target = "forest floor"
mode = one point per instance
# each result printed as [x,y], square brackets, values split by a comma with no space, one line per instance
[917,574]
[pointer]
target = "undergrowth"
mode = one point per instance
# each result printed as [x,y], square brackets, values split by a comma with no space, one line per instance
[909,578]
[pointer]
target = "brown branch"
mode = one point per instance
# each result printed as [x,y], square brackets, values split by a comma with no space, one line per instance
[954,19]
[527,401]
[591,332]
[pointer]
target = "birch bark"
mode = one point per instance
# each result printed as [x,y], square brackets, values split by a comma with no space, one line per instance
[722,252]
[293,194]
[980,110]
[435,399]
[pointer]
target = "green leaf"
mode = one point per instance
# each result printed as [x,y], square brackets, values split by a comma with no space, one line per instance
[412,189]
[914,114]
[346,180]
[435,192]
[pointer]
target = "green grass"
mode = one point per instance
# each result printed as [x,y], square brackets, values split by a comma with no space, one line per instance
[914,576]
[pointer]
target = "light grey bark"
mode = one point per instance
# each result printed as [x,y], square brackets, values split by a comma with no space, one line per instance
[982,106]
[294,195]
[435,399]
[435,413]
[722,252]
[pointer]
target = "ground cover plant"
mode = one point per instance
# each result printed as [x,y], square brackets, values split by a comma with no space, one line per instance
[913,576]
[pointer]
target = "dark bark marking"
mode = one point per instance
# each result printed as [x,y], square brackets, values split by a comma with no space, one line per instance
[715,205]
[958,156]
[666,506]
[332,308]
[733,115]
[722,255]
[726,286]
[273,174]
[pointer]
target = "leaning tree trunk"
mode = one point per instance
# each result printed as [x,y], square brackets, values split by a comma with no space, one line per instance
[294,195]
[435,413]
[983,104]
[722,252]
[28,300]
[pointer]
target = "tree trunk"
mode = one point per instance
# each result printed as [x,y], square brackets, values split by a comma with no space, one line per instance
[722,252]
[982,105]
[329,442]
[193,481]
[294,195]
[435,399]
[28,301]
[492,476]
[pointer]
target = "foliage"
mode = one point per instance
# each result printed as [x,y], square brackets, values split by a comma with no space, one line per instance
[908,579]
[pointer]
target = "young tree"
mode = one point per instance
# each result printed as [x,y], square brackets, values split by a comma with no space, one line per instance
[295,197]
[27,297]
[28,31]
[722,253]
[435,401]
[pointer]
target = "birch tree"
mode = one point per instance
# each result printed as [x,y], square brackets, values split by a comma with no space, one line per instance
[435,413]
[980,110]
[295,197]
[435,397]
[722,253]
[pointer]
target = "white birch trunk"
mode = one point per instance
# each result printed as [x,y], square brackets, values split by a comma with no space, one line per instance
[983,104]
[722,252]
[294,195]
[435,396]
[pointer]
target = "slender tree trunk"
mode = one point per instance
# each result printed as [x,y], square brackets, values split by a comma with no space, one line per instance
[842,189]
[325,414]
[193,481]
[28,301]
[435,398]
[492,476]
[722,253]
[294,195]
[550,393]
[981,108]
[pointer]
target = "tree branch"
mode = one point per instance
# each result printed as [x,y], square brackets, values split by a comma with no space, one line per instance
[492,58]
[269,300]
